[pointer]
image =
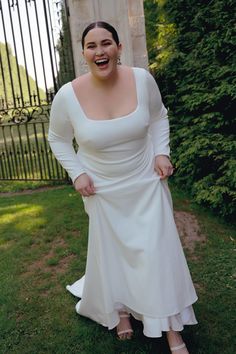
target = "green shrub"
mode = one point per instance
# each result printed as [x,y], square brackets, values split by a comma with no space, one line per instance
[195,68]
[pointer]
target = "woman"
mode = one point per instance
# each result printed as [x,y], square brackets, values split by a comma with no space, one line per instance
[135,262]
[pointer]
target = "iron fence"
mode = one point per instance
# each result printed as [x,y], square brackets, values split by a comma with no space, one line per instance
[35,60]
[25,153]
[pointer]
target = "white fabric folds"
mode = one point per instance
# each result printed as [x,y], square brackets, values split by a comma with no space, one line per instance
[135,259]
[152,327]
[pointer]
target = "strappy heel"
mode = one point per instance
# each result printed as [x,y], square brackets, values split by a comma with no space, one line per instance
[127,331]
[181,346]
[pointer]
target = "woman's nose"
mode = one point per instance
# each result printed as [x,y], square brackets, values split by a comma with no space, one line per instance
[99,51]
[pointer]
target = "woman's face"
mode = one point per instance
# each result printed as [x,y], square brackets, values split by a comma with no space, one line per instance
[101,52]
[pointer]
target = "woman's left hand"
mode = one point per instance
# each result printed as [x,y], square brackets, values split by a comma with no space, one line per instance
[163,166]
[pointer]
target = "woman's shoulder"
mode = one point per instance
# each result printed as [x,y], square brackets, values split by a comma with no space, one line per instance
[136,69]
[143,73]
[80,81]
[139,69]
[63,90]
[63,96]
[125,67]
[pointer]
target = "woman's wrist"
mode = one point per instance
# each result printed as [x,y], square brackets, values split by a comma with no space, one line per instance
[78,177]
[162,155]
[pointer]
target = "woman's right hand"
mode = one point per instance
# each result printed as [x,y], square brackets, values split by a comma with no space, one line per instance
[84,185]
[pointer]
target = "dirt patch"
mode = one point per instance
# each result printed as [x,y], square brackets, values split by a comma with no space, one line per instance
[46,270]
[189,229]
[51,265]
[48,263]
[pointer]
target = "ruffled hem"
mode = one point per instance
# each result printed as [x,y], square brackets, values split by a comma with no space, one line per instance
[152,327]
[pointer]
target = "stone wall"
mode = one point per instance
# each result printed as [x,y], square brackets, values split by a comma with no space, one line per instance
[138,34]
[127,16]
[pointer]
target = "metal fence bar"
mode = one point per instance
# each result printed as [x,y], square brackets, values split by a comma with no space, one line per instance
[7,55]
[32,53]
[3,167]
[37,158]
[29,156]
[22,155]
[31,169]
[53,41]
[24,53]
[24,106]
[16,53]
[6,149]
[41,50]
[49,46]
[3,101]
[47,167]
[15,159]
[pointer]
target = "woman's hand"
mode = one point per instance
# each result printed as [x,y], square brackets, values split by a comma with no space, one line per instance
[163,166]
[84,185]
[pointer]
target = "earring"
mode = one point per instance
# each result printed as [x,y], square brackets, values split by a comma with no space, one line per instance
[118,61]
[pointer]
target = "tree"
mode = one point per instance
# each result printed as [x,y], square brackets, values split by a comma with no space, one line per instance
[195,67]
[13,80]
[151,16]
[66,64]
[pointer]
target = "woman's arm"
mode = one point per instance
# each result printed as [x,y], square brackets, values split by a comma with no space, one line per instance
[60,137]
[159,129]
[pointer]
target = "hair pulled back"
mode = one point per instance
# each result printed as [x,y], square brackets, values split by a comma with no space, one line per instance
[100,24]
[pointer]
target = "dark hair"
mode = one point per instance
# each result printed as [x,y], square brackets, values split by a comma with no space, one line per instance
[100,24]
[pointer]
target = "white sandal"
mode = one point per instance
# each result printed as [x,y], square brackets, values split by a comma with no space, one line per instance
[126,331]
[181,346]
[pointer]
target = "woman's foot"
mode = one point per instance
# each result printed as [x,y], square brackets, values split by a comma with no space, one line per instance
[124,328]
[176,344]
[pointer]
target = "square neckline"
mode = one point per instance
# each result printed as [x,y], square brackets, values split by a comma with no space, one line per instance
[109,119]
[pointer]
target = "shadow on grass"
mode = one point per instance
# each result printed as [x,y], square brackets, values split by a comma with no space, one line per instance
[43,242]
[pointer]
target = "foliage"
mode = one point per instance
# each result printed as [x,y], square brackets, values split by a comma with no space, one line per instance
[196,70]
[10,70]
[14,186]
[151,15]
[159,35]
[66,64]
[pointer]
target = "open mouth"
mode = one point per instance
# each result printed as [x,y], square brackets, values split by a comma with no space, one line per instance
[101,62]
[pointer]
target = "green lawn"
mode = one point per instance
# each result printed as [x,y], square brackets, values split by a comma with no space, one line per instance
[43,238]
[25,153]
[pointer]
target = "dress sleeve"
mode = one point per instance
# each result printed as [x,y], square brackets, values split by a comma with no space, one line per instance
[159,122]
[60,137]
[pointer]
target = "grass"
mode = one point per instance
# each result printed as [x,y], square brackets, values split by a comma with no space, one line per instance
[43,239]
[19,186]
[25,152]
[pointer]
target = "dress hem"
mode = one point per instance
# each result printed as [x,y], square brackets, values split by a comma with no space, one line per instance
[157,326]
[152,326]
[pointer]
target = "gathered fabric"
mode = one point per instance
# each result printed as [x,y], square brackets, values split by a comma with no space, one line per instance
[135,259]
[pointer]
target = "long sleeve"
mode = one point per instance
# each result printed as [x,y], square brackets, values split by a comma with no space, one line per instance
[60,137]
[159,122]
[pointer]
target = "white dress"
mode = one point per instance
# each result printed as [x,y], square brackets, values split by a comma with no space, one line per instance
[135,259]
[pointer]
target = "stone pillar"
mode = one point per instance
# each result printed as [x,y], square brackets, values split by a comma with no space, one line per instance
[127,16]
[138,33]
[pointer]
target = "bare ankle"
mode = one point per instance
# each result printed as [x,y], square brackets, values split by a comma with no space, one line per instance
[176,342]
[124,328]
[174,336]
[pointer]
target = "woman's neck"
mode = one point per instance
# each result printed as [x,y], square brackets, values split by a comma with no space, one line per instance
[107,82]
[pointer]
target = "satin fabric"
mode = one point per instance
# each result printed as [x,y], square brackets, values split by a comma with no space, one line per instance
[135,260]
